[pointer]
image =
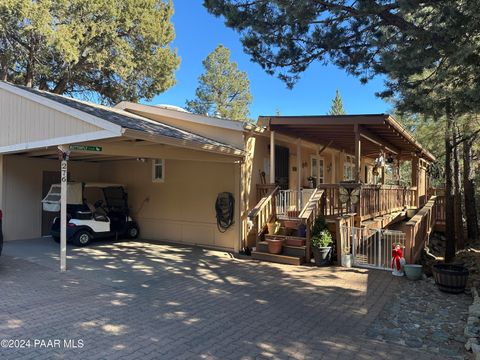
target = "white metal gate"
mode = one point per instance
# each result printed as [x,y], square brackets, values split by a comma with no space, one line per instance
[371,248]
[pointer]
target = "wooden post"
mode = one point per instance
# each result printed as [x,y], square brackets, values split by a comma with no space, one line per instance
[358,153]
[299,175]
[334,175]
[272,157]
[415,166]
[63,215]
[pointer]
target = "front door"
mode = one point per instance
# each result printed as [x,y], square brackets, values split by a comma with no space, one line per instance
[282,155]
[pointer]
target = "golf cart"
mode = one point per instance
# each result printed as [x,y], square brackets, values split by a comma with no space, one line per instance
[107,217]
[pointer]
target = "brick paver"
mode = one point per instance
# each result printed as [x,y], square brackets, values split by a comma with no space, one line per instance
[137,300]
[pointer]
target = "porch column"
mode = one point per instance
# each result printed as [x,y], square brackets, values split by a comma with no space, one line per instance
[358,153]
[415,164]
[334,175]
[299,174]
[272,157]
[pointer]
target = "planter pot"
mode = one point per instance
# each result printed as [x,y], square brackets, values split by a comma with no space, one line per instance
[302,230]
[294,241]
[275,245]
[347,260]
[323,256]
[450,278]
[413,272]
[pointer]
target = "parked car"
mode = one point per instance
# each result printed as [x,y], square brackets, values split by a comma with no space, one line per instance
[108,217]
[1,232]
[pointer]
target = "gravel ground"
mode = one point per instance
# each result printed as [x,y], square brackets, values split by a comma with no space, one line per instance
[420,316]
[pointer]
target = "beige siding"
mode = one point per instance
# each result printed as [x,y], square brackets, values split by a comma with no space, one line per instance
[23,192]
[24,120]
[182,209]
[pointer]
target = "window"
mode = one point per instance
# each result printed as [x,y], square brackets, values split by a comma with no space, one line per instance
[158,170]
[348,168]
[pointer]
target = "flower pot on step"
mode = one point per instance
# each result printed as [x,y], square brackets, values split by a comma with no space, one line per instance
[322,256]
[291,224]
[275,245]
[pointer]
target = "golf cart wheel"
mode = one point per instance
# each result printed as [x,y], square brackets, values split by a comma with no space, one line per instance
[82,238]
[132,232]
[56,239]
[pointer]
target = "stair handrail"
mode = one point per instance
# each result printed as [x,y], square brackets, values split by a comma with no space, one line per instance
[263,213]
[308,216]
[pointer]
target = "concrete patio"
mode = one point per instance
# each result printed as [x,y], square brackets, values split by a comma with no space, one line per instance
[140,300]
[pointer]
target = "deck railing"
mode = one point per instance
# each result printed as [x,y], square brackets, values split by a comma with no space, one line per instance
[289,202]
[418,229]
[309,214]
[263,213]
[373,200]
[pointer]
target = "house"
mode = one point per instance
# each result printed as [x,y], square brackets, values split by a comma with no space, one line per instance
[175,163]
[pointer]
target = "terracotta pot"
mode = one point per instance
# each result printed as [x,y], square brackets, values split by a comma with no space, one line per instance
[275,245]
[294,241]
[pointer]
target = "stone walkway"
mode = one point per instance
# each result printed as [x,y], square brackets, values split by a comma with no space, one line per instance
[138,300]
[421,316]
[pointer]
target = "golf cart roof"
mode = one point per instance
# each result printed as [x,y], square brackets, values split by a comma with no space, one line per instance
[51,202]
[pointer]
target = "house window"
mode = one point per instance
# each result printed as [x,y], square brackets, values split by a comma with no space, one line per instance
[317,169]
[158,170]
[348,168]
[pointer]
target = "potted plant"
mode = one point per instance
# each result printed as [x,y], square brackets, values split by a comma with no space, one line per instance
[275,244]
[321,242]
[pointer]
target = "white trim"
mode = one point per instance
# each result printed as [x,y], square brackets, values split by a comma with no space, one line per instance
[93,120]
[39,144]
[154,166]
[180,115]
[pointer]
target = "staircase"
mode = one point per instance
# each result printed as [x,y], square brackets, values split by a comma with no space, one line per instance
[291,254]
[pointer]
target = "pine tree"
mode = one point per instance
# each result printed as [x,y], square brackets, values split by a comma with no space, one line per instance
[223,89]
[337,105]
[105,50]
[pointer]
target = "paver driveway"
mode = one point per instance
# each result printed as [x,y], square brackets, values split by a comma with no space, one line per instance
[137,300]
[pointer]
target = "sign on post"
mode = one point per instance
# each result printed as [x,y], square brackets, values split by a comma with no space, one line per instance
[85,148]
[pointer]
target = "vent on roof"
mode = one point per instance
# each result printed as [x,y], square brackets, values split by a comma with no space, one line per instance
[172,107]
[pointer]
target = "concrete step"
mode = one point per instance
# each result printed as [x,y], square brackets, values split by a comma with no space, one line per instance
[281,259]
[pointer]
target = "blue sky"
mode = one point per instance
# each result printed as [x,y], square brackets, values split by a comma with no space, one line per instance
[199,33]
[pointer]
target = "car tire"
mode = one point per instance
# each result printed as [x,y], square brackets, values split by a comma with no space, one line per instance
[56,239]
[132,231]
[82,238]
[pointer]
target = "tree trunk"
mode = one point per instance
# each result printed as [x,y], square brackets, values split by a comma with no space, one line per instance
[458,195]
[469,191]
[449,195]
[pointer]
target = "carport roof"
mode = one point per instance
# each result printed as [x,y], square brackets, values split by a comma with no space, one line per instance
[130,121]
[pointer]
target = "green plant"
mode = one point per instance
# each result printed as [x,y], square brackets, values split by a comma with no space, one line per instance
[319,225]
[323,239]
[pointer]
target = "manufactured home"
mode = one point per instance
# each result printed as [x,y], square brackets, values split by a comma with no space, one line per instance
[174,165]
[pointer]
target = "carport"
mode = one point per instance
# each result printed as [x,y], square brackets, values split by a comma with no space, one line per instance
[173,176]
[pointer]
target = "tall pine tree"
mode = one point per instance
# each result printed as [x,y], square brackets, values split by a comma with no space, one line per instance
[337,105]
[223,89]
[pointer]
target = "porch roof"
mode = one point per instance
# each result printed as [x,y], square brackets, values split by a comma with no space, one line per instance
[377,131]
